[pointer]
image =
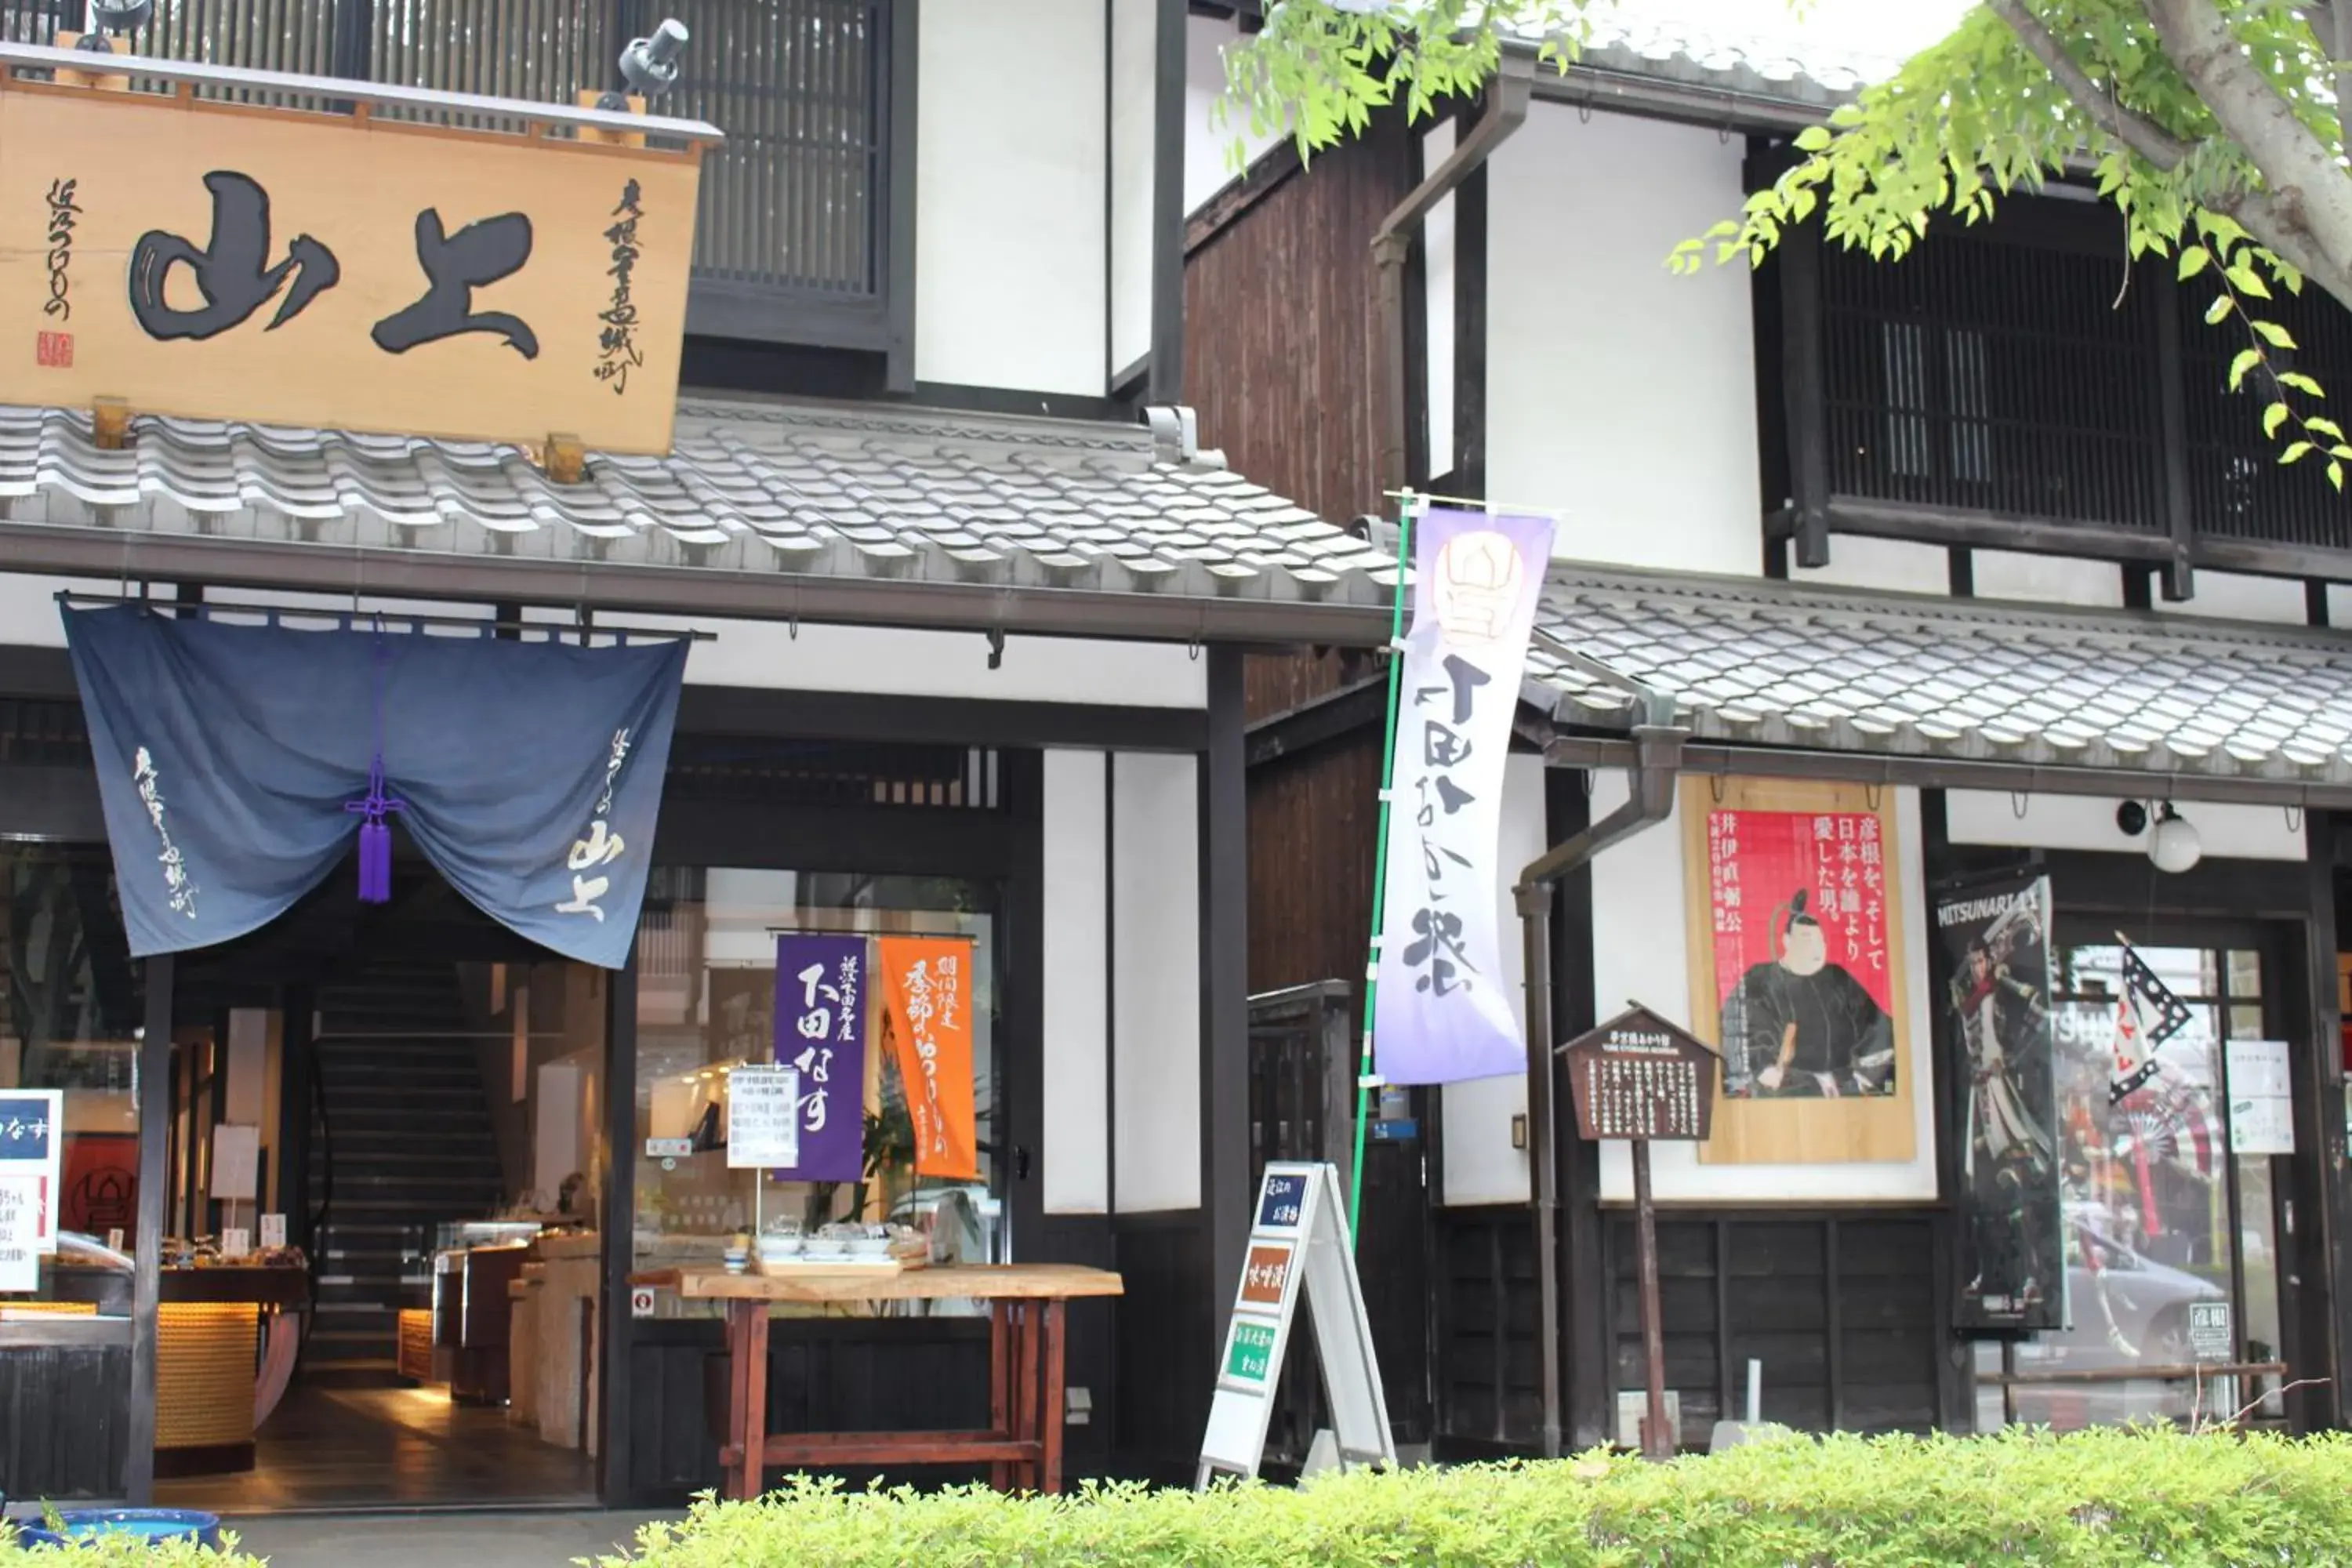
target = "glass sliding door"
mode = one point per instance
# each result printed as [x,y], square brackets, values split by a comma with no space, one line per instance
[707,987]
[2172,1234]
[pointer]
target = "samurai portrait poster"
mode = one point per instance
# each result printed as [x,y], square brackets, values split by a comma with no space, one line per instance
[1994,1026]
[1797,970]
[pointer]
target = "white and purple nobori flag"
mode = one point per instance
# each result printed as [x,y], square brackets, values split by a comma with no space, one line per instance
[1443,1012]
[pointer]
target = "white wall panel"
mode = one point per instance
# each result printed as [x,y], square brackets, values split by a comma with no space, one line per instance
[1010,248]
[1075,1163]
[2047,579]
[1156,985]
[1208,148]
[1615,389]
[1640,954]
[1481,1166]
[1134,86]
[1437,294]
[2088,822]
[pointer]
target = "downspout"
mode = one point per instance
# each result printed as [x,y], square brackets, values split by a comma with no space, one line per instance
[1507,111]
[1658,744]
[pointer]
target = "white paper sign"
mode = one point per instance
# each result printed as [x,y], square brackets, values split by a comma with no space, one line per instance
[236,1162]
[32,1141]
[763,1123]
[20,1247]
[2262,1097]
[273,1232]
[236,1242]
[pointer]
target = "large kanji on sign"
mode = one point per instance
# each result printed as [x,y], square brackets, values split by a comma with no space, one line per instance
[223,261]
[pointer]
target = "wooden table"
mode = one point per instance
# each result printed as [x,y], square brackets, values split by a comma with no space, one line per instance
[1023,1444]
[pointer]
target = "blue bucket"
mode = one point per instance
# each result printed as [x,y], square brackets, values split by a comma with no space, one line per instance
[151,1523]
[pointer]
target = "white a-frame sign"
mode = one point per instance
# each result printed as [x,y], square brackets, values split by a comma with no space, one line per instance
[1298,1241]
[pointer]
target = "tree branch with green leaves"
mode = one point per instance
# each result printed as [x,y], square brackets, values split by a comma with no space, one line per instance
[2215,128]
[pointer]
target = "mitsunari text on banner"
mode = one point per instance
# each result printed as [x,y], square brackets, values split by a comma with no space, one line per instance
[1445,1012]
[927,1024]
[821,1003]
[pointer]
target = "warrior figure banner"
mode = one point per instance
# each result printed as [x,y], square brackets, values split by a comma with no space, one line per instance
[1994,1025]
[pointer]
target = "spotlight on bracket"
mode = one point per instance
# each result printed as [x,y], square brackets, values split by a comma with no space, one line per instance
[113,16]
[649,66]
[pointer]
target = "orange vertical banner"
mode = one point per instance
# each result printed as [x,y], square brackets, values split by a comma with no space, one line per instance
[926,1014]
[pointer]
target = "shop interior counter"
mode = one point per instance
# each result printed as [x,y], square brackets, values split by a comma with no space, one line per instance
[225,1339]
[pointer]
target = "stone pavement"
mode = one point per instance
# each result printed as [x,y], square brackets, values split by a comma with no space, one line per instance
[516,1539]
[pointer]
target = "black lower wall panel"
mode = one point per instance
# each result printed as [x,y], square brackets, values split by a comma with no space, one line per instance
[1167,1328]
[64,1421]
[878,1374]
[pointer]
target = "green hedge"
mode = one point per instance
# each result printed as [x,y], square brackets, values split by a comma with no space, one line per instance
[2095,1498]
[122,1551]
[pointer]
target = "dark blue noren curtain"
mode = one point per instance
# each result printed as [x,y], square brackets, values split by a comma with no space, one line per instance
[229,758]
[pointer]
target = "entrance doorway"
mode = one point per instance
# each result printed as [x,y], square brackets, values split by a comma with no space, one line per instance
[413,1094]
[2177,1289]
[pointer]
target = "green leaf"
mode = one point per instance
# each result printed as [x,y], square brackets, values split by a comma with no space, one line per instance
[2335,473]
[2272,417]
[2297,381]
[1813,138]
[2247,359]
[2277,336]
[2295,449]
[2221,306]
[2194,258]
[2246,281]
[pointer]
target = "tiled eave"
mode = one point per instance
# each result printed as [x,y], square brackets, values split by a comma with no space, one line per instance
[1768,665]
[824,513]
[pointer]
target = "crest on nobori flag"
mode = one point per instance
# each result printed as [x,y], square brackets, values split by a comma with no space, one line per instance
[2146,1014]
[1443,1011]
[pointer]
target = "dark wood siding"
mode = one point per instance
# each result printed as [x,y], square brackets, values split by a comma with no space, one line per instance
[1281,338]
[1841,1309]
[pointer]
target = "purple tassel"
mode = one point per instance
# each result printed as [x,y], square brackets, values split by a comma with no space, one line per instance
[375,835]
[375,863]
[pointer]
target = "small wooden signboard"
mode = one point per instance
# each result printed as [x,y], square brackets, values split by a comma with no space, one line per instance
[1639,1078]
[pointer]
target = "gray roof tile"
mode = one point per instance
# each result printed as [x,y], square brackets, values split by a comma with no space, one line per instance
[1762,662]
[759,487]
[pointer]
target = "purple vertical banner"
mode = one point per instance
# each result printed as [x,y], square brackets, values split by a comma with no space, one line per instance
[1446,1010]
[821,984]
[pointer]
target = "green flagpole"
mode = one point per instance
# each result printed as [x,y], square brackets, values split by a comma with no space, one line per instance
[1381,864]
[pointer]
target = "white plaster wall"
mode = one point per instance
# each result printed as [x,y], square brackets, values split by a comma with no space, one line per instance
[884,661]
[1010,248]
[1481,1166]
[1437,298]
[1156,981]
[1895,565]
[1886,564]
[1075,1163]
[1209,147]
[2047,579]
[1133,87]
[28,605]
[895,663]
[1641,953]
[1614,389]
[2088,822]
[2236,596]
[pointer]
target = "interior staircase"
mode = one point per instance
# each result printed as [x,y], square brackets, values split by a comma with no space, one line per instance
[404,1143]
